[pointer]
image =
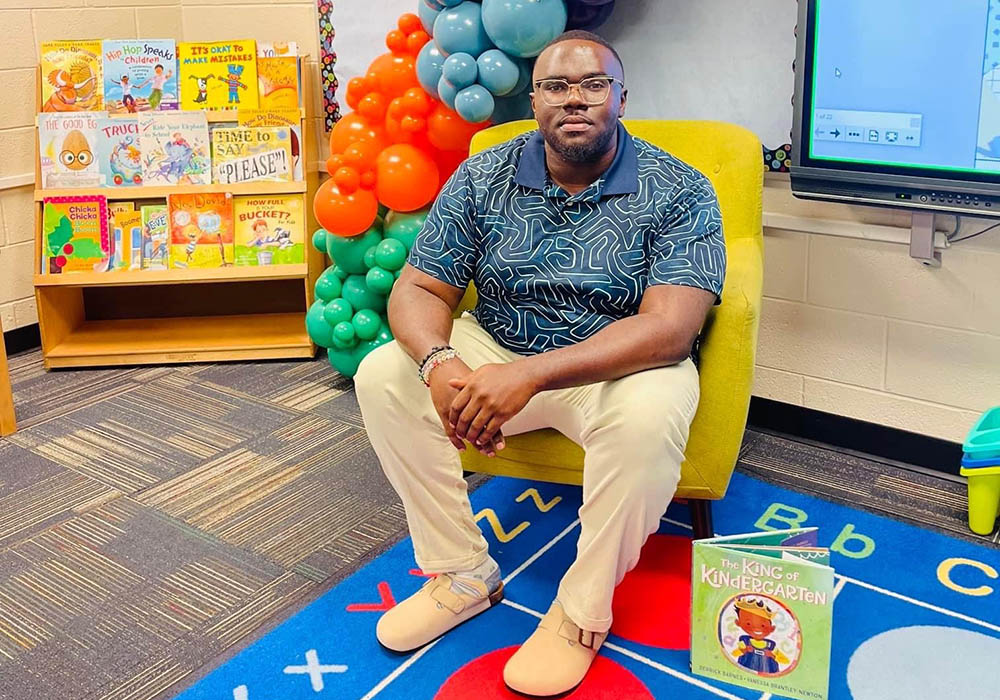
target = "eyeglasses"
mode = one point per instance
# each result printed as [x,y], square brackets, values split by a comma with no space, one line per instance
[594,91]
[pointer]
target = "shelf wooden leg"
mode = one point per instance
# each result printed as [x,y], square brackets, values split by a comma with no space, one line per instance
[7,422]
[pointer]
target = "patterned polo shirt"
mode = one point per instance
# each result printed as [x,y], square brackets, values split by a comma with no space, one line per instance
[553,269]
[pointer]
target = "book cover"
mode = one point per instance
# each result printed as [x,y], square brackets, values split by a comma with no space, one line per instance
[284,116]
[71,76]
[155,237]
[127,235]
[246,154]
[118,151]
[269,230]
[74,234]
[174,148]
[139,75]
[762,612]
[267,49]
[218,75]
[67,149]
[201,229]
[278,81]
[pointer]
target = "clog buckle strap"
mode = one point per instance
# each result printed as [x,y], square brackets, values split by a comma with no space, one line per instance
[441,592]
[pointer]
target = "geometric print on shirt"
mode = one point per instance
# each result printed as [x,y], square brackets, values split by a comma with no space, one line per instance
[553,269]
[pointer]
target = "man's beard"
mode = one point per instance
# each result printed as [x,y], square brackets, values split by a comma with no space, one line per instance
[585,151]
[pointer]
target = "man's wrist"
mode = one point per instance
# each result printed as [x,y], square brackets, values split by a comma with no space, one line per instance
[535,372]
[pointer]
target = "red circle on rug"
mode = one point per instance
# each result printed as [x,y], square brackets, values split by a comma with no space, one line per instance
[482,679]
[652,606]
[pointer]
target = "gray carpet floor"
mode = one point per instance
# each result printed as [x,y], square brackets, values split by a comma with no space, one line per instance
[155,520]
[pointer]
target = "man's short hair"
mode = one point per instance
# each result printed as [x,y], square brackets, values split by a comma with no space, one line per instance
[583,35]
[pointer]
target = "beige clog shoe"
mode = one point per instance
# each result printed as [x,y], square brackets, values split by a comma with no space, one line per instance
[432,611]
[554,659]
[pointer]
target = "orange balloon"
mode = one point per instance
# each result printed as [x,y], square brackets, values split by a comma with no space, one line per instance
[344,214]
[356,89]
[448,131]
[368,179]
[353,127]
[347,180]
[372,107]
[416,102]
[361,155]
[416,41]
[396,41]
[406,178]
[409,23]
[448,162]
[393,74]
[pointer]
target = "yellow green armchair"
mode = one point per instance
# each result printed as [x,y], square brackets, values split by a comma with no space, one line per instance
[730,157]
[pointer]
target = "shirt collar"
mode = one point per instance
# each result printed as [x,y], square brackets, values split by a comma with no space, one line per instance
[621,178]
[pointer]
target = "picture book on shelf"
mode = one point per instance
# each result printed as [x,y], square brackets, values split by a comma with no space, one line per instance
[270,230]
[284,116]
[246,154]
[67,150]
[762,612]
[267,49]
[74,234]
[278,81]
[118,151]
[201,229]
[218,75]
[174,148]
[155,237]
[71,76]
[139,75]
[126,232]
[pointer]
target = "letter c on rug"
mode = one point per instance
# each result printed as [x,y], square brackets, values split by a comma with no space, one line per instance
[944,575]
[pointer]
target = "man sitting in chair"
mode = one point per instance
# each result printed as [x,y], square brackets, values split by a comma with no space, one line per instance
[596,257]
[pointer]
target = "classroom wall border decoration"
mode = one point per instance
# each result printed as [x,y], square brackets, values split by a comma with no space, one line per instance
[328,60]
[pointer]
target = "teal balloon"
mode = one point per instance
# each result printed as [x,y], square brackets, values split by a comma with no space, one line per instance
[459,29]
[320,332]
[429,63]
[509,109]
[328,286]
[460,69]
[370,257]
[379,280]
[340,272]
[366,324]
[390,254]
[338,310]
[524,67]
[344,361]
[319,240]
[349,253]
[344,335]
[404,226]
[522,27]
[428,12]
[357,292]
[474,104]
[498,72]
[397,273]
[447,92]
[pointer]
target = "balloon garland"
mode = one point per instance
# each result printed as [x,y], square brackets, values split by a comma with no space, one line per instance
[452,69]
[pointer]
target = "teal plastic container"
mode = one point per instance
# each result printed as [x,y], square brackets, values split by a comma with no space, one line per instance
[983,441]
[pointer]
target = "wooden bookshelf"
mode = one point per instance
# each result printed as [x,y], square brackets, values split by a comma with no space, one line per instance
[7,422]
[90,319]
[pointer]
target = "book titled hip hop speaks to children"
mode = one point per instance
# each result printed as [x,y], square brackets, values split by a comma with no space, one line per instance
[762,612]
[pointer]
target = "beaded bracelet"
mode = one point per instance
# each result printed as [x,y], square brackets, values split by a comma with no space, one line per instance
[433,351]
[435,360]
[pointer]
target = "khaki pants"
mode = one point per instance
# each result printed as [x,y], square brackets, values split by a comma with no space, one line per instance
[633,431]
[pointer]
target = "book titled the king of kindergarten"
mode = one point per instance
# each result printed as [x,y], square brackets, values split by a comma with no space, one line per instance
[762,612]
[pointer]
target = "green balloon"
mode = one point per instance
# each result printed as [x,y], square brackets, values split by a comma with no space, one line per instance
[336,311]
[390,254]
[340,272]
[397,273]
[318,329]
[349,253]
[328,286]
[366,324]
[344,361]
[344,333]
[319,240]
[357,292]
[404,226]
[379,280]
[370,257]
